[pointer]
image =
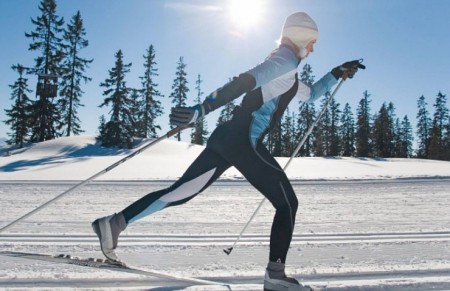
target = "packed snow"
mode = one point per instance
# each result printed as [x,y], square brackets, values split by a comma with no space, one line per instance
[363,224]
[77,158]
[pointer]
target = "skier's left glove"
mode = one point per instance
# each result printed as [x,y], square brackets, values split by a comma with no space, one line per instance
[348,69]
[186,116]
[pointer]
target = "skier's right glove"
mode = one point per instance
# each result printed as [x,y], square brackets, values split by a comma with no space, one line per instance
[347,70]
[186,116]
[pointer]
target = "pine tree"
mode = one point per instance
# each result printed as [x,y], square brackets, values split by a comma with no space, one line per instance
[391,128]
[275,140]
[440,120]
[200,131]
[363,127]
[118,131]
[19,115]
[423,128]
[383,131]
[152,106]
[179,87]
[46,39]
[226,114]
[74,67]
[288,137]
[446,153]
[136,105]
[399,151]
[323,131]
[334,139]
[306,116]
[101,127]
[435,142]
[407,138]
[327,133]
[347,132]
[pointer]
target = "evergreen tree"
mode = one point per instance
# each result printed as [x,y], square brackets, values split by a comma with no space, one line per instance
[347,132]
[152,106]
[323,131]
[200,131]
[435,147]
[179,87]
[288,134]
[439,125]
[137,113]
[46,39]
[19,116]
[101,127]
[306,115]
[327,133]
[382,133]
[74,67]
[391,128]
[334,137]
[274,136]
[226,113]
[406,137]
[423,128]
[399,151]
[119,130]
[363,127]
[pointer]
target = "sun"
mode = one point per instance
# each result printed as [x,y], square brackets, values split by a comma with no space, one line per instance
[245,14]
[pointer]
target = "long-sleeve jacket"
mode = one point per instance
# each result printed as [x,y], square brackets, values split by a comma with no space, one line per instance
[270,86]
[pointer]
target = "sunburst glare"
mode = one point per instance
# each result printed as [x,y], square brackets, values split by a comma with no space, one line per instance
[245,14]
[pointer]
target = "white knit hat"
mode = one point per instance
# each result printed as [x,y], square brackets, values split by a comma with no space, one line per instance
[300,28]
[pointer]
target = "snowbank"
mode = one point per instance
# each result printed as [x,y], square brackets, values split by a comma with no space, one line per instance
[78,158]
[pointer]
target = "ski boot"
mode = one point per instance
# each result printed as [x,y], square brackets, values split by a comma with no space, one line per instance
[108,229]
[276,280]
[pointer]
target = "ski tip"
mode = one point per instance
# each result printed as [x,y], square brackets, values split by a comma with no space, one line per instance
[228,251]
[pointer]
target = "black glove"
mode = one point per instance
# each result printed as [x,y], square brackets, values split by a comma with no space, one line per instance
[347,70]
[186,116]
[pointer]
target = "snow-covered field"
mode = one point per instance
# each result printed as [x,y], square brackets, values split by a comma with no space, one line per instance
[363,224]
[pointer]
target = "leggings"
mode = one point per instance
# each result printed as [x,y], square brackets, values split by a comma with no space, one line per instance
[255,163]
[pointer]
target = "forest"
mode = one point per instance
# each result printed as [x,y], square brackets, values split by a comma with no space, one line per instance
[52,112]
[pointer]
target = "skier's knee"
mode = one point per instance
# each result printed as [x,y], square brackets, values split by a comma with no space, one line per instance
[288,203]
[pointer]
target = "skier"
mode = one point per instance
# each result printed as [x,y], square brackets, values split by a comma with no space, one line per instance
[269,87]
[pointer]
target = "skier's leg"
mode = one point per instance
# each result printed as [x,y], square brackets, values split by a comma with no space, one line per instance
[204,170]
[264,173]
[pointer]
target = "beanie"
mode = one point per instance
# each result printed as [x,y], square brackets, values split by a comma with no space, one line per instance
[300,28]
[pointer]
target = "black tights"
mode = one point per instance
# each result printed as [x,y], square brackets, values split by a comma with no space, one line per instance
[255,164]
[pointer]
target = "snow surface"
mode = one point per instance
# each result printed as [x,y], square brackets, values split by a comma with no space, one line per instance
[363,224]
[77,158]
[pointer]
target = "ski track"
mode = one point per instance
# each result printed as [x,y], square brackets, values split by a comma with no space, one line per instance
[354,235]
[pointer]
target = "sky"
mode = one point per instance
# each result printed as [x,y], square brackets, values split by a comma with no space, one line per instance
[404,44]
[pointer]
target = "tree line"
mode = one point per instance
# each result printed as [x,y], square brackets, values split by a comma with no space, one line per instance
[134,112]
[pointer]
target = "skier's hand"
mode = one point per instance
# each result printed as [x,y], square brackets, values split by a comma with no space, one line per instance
[186,116]
[347,70]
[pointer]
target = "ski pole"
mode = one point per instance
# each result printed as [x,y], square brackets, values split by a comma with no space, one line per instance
[297,149]
[121,161]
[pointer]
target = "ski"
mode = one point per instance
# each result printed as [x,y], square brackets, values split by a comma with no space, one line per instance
[105,265]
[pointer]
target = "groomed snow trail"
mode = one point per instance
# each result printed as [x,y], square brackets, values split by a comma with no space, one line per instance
[357,235]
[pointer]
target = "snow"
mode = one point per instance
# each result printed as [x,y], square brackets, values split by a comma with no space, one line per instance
[363,224]
[77,158]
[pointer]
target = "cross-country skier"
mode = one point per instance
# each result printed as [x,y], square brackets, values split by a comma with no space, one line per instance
[268,89]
